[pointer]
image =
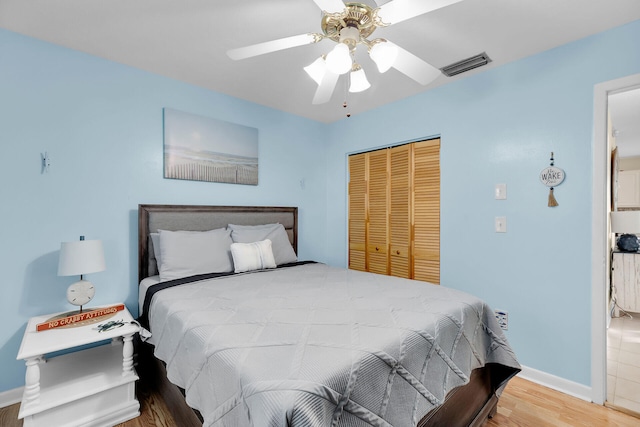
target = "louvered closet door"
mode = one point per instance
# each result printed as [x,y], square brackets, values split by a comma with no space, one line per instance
[426,211]
[357,211]
[400,210]
[378,205]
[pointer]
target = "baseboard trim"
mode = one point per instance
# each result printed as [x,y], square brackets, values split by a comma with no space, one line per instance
[562,385]
[10,397]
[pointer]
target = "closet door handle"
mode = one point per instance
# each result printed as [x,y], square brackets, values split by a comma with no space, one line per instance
[377,248]
[397,252]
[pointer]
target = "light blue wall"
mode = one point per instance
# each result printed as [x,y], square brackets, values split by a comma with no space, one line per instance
[101,124]
[500,126]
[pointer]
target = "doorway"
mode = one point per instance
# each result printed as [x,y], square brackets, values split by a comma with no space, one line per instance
[623,333]
[601,192]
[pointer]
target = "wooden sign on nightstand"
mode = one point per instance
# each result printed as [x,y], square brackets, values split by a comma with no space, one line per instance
[80,319]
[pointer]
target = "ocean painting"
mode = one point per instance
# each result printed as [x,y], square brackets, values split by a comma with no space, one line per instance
[200,148]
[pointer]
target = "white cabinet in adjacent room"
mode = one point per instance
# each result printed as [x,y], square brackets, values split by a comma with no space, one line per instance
[629,189]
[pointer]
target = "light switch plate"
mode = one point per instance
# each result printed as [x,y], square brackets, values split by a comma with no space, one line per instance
[501,224]
[501,191]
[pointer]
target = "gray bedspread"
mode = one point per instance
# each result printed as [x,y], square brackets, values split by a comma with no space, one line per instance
[313,345]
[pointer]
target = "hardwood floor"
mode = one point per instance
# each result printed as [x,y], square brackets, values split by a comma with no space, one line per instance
[523,404]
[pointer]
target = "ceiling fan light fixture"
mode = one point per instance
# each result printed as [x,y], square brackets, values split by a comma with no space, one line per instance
[350,35]
[349,23]
[359,82]
[339,59]
[317,69]
[383,54]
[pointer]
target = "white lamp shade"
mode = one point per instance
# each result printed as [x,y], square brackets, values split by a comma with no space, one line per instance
[384,55]
[359,81]
[81,257]
[625,222]
[339,60]
[317,69]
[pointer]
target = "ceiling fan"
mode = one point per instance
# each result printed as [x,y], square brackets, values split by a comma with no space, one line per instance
[350,24]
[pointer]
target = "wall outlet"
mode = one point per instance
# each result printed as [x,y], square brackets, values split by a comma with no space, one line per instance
[503,319]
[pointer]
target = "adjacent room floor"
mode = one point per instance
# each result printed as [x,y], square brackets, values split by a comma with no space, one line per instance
[623,362]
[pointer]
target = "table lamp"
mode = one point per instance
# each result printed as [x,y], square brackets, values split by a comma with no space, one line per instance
[79,258]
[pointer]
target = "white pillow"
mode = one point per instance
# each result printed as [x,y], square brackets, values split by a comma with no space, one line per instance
[252,256]
[155,241]
[187,253]
[282,250]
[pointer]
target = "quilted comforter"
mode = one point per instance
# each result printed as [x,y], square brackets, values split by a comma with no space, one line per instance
[312,345]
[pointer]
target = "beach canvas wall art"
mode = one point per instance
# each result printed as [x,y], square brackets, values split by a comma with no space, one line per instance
[201,148]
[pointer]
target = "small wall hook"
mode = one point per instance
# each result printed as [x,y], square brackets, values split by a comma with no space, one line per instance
[46,162]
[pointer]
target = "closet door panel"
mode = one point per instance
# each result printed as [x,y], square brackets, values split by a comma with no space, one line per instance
[426,211]
[357,212]
[378,212]
[400,210]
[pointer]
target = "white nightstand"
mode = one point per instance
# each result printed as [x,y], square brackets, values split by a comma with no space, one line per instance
[93,387]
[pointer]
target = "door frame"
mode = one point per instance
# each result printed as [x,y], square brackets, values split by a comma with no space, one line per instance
[600,280]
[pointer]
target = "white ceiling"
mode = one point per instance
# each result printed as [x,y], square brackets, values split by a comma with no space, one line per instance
[187,40]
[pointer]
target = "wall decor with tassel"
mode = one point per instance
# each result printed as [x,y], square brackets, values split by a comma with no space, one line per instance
[552,177]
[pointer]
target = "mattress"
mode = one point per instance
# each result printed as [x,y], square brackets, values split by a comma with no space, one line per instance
[143,288]
[312,345]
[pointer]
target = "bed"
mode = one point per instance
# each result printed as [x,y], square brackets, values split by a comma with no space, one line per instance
[306,344]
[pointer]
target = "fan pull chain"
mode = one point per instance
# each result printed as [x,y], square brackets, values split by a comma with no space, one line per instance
[552,200]
[345,104]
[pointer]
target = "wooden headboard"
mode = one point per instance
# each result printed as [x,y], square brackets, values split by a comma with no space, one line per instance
[152,218]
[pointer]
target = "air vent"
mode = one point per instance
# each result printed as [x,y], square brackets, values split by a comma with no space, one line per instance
[466,65]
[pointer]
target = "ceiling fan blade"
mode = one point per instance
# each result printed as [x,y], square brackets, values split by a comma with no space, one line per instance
[414,67]
[330,6]
[400,10]
[325,88]
[271,46]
